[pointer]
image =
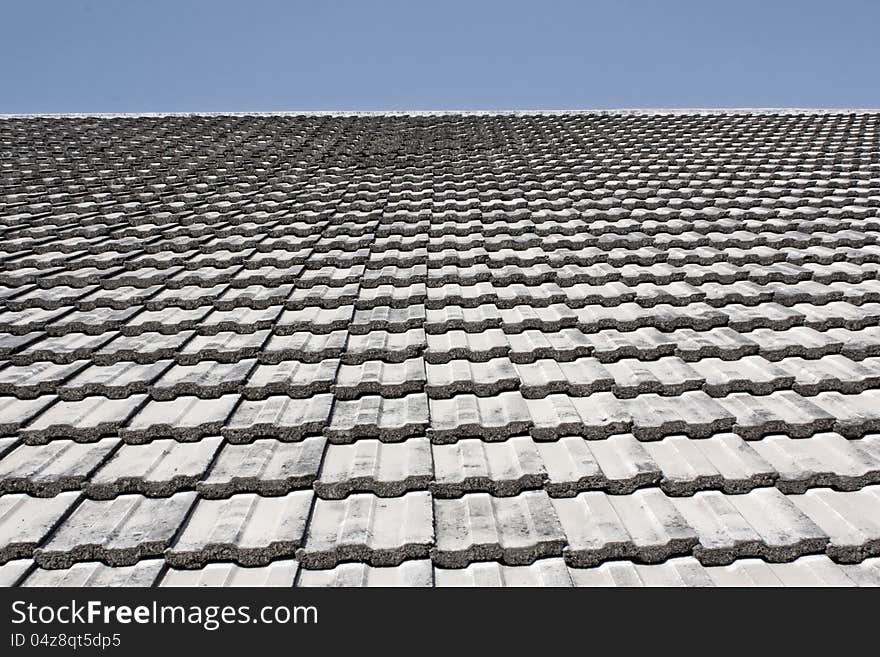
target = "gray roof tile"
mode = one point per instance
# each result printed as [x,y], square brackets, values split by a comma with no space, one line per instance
[762,523]
[315,320]
[385,346]
[94,573]
[644,526]
[88,419]
[667,376]
[722,462]
[247,529]
[825,459]
[143,348]
[580,377]
[12,572]
[676,572]
[119,532]
[563,345]
[208,379]
[157,469]
[491,418]
[291,378]
[280,573]
[384,318]
[597,416]
[369,529]
[277,417]
[456,344]
[752,374]
[542,573]
[225,347]
[184,418]
[854,415]
[62,348]
[267,467]
[501,469]
[513,530]
[303,346]
[116,381]
[27,521]
[483,379]
[779,412]
[848,518]
[46,470]
[372,416]
[815,570]
[693,413]
[415,572]
[14,413]
[9,343]
[167,320]
[384,469]
[377,377]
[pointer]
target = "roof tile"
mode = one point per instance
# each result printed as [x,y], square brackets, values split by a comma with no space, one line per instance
[374,530]
[120,532]
[247,529]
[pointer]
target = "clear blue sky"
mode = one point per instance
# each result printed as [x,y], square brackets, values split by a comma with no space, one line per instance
[269,55]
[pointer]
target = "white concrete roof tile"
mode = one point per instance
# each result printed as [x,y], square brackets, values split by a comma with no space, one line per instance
[384,469]
[94,573]
[411,573]
[248,529]
[542,573]
[14,413]
[291,378]
[278,574]
[12,572]
[676,572]
[723,461]
[46,470]
[184,418]
[501,469]
[208,380]
[278,417]
[119,532]
[644,525]
[116,381]
[761,523]
[373,416]
[369,529]
[156,469]
[88,419]
[513,530]
[27,521]
[377,377]
[491,418]
[266,466]
[849,518]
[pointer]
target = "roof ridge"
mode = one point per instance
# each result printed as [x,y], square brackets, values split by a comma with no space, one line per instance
[414,113]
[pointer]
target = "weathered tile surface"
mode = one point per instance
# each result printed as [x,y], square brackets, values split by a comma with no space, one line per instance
[441,350]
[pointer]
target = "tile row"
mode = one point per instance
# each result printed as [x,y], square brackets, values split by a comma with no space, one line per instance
[528,346]
[626,378]
[619,464]
[137,419]
[815,570]
[626,316]
[588,529]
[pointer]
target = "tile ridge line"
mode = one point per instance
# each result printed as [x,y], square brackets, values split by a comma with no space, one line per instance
[696,111]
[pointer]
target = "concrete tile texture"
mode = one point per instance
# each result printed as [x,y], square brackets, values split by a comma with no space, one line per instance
[573,349]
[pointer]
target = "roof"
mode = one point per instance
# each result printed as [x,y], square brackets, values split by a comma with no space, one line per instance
[599,348]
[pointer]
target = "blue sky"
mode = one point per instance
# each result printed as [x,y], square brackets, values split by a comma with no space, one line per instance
[269,55]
